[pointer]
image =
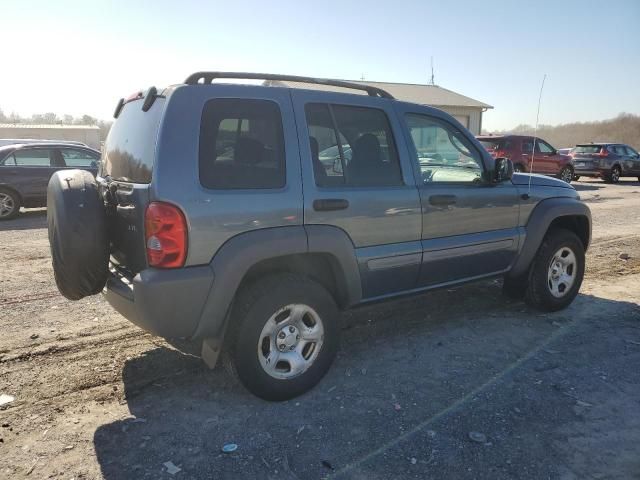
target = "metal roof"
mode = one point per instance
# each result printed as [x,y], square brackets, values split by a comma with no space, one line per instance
[407,92]
[48,126]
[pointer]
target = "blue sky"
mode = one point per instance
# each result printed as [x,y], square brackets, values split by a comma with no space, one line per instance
[81,56]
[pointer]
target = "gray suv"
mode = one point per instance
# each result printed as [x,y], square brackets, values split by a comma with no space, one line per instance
[248,217]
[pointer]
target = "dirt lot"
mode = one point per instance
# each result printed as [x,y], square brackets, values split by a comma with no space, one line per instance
[554,395]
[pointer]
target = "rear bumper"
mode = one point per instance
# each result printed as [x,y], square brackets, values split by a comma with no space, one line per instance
[168,303]
[588,172]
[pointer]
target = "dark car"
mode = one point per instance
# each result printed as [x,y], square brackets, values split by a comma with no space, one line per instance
[25,170]
[609,161]
[518,148]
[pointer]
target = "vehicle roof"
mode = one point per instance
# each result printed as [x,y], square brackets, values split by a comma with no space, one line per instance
[18,146]
[598,144]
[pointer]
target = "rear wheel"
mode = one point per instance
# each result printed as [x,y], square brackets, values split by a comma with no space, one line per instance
[284,336]
[614,175]
[557,271]
[576,178]
[566,174]
[9,204]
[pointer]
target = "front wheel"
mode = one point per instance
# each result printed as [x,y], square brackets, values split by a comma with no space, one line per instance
[557,271]
[566,174]
[284,336]
[9,204]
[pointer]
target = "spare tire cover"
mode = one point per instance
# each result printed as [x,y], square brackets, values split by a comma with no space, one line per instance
[77,233]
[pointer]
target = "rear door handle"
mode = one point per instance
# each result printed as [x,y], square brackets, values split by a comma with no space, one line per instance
[442,200]
[330,204]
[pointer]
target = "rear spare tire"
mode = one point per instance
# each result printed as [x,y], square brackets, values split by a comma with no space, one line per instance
[77,234]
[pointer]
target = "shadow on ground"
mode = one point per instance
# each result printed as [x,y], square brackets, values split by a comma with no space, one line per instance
[413,378]
[26,220]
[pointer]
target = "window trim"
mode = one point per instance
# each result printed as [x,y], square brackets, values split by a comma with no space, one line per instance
[336,132]
[232,190]
[467,143]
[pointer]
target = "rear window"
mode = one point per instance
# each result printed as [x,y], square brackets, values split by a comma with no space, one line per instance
[241,145]
[587,149]
[130,147]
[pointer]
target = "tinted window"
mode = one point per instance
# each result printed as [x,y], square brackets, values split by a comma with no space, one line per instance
[443,153]
[620,150]
[78,158]
[241,145]
[365,154]
[32,158]
[527,146]
[631,151]
[130,147]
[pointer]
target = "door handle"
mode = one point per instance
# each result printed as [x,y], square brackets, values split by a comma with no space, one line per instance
[330,204]
[442,200]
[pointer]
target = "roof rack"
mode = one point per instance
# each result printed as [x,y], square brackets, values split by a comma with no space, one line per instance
[208,77]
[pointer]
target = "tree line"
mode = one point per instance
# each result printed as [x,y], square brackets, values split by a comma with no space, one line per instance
[51,118]
[625,128]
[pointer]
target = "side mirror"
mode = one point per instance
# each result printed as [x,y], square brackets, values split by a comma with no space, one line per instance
[503,170]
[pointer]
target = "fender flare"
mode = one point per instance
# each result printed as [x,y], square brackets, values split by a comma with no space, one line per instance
[236,257]
[539,221]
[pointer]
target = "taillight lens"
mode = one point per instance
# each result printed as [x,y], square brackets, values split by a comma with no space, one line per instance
[603,152]
[165,232]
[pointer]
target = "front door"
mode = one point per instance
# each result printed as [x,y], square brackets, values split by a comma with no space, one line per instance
[546,159]
[470,225]
[357,176]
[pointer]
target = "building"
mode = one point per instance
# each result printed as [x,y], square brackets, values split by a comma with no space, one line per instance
[87,134]
[466,110]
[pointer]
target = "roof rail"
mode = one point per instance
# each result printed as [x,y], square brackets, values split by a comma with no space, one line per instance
[208,77]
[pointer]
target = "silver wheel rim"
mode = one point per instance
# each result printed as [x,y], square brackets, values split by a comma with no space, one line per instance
[290,341]
[6,205]
[615,174]
[566,175]
[562,272]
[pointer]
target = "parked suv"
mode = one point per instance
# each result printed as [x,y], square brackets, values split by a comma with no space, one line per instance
[518,148]
[25,170]
[609,161]
[215,219]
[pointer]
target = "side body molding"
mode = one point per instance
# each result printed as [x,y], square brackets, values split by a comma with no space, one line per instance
[539,221]
[236,257]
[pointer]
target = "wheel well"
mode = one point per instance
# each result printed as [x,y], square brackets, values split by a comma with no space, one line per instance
[578,224]
[323,268]
[12,190]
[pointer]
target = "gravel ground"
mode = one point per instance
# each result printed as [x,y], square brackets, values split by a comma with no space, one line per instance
[459,383]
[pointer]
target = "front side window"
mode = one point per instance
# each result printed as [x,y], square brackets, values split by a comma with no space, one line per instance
[352,146]
[543,147]
[241,145]
[620,150]
[443,153]
[631,151]
[78,158]
[32,158]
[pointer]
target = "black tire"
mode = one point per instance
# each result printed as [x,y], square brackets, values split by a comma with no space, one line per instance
[538,293]
[10,204]
[614,175]
[77,234]
[518,168]
[576,178]
[515,287]
[253,308]
[566,174]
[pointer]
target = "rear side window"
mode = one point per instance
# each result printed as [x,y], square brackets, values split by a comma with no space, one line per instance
[78,158]
[32,158]
[241,145]
[352,146]
[130,147]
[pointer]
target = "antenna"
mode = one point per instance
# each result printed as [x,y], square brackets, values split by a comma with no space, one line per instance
[432,75]
[362,77]
[535,134]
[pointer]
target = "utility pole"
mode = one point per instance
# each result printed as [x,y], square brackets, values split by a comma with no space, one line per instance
[432,75]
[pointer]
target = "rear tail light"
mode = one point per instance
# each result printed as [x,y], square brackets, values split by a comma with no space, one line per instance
[603,152]
[500,153]
[165,232]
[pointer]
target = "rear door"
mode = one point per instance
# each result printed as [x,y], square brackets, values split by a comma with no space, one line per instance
[470,226]
[545,158]
[357,176]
